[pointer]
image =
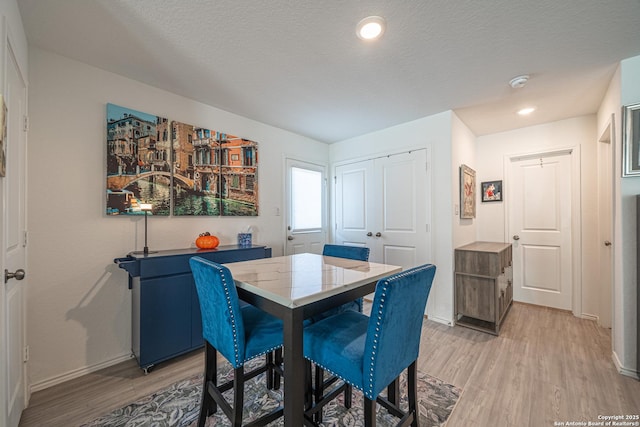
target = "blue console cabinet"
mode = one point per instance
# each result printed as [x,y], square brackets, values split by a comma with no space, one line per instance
[166,316]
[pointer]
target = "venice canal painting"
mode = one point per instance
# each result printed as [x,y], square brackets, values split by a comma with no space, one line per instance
[180,169]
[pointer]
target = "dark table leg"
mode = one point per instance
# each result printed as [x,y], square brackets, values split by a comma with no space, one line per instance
[293,369]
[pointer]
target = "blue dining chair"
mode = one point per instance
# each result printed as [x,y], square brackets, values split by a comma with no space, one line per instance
[239,334]
[358,253]
[370,353]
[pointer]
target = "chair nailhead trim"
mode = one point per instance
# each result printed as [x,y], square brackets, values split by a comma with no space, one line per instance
[333,373]
[385,286]
[238,362]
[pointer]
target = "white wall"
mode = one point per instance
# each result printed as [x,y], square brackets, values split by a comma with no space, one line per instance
[626,217]
[79,311]
[433,133]
[576,132]
[463,145]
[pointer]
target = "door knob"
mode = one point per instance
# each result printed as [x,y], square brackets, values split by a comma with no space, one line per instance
[369,234]
[18,275]
[378,234]
[289,237]
[516,237]
[607,243]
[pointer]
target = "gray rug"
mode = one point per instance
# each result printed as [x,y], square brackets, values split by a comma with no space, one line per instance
[178,405]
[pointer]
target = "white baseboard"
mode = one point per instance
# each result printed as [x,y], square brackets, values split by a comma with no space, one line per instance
[59,379]
[590,317]
[442,320]
[622,370]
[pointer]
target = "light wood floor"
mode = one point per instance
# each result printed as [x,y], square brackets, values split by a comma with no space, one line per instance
[546,366]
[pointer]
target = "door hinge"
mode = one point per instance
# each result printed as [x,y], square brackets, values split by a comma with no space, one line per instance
[25,237]
[25,357]
[25,125]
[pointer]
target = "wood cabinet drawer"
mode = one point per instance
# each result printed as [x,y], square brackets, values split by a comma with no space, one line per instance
[483,258]
[476,297]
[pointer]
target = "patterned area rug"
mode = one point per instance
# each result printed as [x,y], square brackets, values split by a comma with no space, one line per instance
[179,404]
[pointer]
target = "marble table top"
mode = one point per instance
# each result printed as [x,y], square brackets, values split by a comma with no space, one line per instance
[296,280]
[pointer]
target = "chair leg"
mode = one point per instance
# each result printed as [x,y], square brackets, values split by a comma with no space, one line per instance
[278,362]
[348,393]
[308,386]
[268,361]
[238,396]
[393,391]
[319,391]
[412,392]
[208,405]
[369,413]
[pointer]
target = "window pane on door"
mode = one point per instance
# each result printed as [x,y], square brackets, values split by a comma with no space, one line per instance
[306,199]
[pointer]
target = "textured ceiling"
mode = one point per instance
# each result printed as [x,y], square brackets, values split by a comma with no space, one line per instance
[297,64]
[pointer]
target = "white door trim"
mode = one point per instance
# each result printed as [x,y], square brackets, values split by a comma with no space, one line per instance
[576,212]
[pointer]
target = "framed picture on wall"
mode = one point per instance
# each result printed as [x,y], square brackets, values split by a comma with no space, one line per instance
[467,192]
[491,191]
[631,140]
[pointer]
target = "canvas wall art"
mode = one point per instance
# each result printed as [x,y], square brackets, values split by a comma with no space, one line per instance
[181,169]
[467,192]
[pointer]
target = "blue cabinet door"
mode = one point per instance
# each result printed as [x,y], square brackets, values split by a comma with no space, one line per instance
[165,316]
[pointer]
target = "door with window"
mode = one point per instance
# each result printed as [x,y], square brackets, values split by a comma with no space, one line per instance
[382,204]
[305,187]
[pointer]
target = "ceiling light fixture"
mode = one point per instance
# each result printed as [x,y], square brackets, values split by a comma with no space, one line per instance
[371,28]
[526,111]
[519,81]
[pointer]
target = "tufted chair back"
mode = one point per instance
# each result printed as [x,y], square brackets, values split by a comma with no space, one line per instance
[222,323]
[349,252]
[395,325]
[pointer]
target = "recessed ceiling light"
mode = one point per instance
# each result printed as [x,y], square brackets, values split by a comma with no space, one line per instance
[371,28]
[526,111]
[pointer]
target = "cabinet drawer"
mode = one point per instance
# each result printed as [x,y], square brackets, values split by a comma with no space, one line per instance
[476,297]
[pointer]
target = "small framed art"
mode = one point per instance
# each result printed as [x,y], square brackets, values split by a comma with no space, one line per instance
[467,192]
[631,140]
[491,191]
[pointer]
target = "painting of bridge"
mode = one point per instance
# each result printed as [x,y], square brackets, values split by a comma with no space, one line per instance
[179,168]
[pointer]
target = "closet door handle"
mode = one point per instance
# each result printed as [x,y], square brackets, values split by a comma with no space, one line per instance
[378,234]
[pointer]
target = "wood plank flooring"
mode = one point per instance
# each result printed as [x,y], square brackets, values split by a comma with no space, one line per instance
[546,366]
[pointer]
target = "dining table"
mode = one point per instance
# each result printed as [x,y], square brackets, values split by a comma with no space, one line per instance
[294,288]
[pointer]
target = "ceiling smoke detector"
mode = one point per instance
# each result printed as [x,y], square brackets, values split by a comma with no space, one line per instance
[518,82]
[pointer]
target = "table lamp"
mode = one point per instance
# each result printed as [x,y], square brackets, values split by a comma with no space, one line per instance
[146,208]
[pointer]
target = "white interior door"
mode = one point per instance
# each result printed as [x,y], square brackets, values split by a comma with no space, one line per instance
[355,212]
[401,196]
[13,243]
[540,194]
[605,224]
[382,203]
[306,210]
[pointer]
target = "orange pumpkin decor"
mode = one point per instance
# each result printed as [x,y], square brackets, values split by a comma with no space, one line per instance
[207,241]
